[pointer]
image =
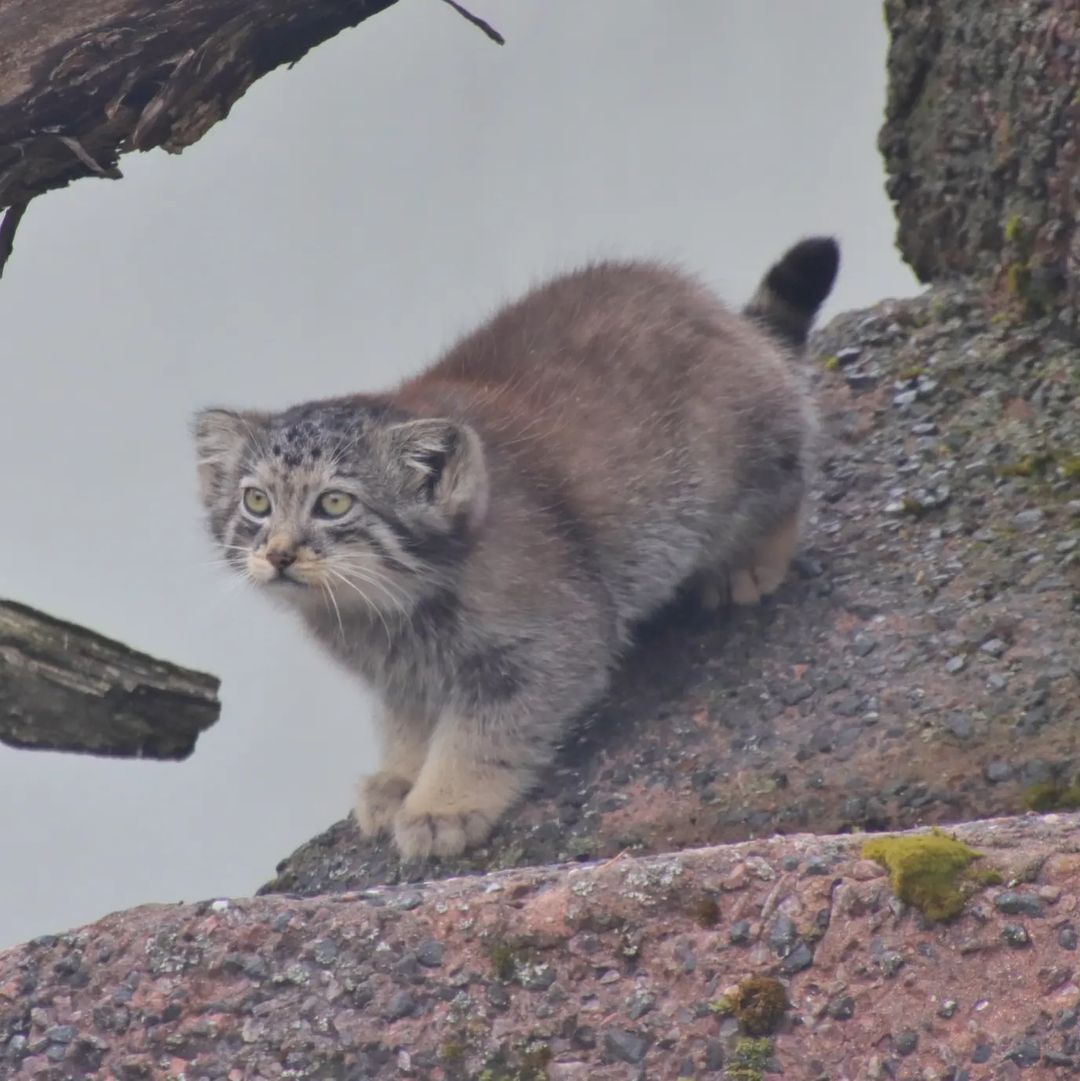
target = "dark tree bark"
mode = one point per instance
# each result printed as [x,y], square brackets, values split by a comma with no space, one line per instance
[65,688]
[83,81]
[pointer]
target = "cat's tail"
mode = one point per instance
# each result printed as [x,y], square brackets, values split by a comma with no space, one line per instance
[794,288]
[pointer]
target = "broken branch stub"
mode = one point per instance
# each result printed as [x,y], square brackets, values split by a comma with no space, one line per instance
[66,688]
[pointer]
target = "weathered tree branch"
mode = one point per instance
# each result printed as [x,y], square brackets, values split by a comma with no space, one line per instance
[65,688]
[84,81]
[8,225]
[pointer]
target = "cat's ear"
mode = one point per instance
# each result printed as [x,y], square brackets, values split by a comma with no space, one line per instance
[442,463]
[220,437]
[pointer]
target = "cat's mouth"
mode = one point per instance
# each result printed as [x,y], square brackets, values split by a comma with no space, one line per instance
[278,572]
[284,578]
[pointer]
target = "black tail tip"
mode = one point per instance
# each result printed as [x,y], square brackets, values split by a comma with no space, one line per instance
[805,274]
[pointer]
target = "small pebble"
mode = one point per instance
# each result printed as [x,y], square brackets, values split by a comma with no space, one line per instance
[782,935]
[1015,936]
[325,951]
[905,398]
[863,379]
[981,1052]
[848,355]
[955,664]
[799,958]
[864,645]
[959,725]
[401,1005]
[926,428]
[907,1042]
[997,771]
[842,1008]
[739,933]
[1015,903]
[430,953]
[994,646]
[1025,1053]
[1028,520]
[625,1046]
[997,682]
[948,1009]
[1066,1019]
[1067,938]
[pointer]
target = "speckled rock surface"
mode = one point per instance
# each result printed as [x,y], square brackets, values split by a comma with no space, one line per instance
[982,144]
[605,971]
[921,666]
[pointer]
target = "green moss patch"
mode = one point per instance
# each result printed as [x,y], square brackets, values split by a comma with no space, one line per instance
[760,1005]
[930,871]
[1052,796]
[749,1059]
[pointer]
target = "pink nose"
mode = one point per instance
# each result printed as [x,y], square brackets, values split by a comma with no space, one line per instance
[280,558]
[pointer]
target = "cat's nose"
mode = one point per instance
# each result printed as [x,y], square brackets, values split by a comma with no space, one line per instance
[280,557]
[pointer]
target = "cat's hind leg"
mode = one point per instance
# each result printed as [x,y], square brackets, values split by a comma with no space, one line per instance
[758,576]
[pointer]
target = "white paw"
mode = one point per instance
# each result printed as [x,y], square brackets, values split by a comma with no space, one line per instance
[378,799]
[420,834]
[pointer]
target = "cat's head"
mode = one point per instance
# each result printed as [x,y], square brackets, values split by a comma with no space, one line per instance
[346,500]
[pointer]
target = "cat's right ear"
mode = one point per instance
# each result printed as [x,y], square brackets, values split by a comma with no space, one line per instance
[220,437]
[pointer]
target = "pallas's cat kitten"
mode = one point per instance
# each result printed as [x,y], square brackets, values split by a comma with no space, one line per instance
[479,543]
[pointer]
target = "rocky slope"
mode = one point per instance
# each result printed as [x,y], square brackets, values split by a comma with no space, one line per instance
[921,666]
[627,969]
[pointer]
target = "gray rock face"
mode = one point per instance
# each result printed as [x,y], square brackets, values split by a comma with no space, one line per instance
[982,145]
[636,954]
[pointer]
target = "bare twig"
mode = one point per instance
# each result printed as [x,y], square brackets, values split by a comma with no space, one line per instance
[477,21]
[7,231]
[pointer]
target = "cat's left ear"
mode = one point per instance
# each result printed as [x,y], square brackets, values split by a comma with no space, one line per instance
[220,437]
[442,463]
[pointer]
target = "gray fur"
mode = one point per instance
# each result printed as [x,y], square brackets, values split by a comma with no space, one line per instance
[519,507]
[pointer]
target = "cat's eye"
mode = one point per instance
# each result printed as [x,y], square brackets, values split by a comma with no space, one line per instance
[333,504]
[256,502]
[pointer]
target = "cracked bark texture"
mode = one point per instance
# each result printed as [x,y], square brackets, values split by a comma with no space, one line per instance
[84,81]
[982,145]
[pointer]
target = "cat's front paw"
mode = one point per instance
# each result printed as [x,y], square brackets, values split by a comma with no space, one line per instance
[378,799]
[420,834]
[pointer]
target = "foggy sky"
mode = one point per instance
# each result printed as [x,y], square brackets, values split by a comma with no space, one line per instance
[334,234]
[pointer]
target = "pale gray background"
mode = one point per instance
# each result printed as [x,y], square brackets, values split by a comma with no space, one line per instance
[349,218]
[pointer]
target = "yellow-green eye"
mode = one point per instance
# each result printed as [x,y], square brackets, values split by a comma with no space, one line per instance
[256,502]
[333,504]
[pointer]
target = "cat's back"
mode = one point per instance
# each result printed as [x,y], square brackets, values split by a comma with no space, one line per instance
[592,321]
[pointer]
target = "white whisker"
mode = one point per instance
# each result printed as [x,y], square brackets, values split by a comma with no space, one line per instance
[398,593]
[337,611]
[370,603]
